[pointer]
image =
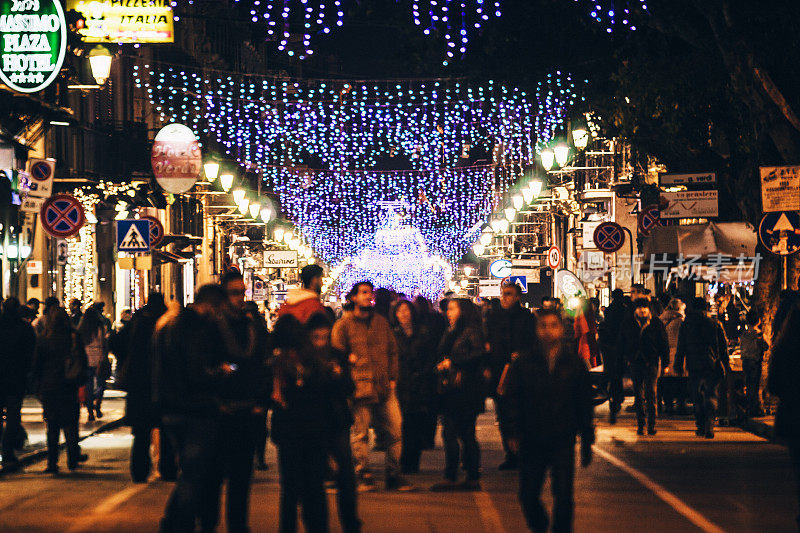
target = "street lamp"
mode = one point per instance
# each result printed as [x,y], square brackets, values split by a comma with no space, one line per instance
[238,195]
[535,187]
[548,158]
[517,200]
[561,152]
[510,213]
[279,232]
[266,213]
[226,181]
[504,225]
[255,209]
[211,169]
[478,248]
[580,137]
[100,63]
[468,270]
[243,204]
[485,238]
[497,224]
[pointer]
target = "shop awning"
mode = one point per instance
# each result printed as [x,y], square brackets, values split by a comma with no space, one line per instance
[726,238]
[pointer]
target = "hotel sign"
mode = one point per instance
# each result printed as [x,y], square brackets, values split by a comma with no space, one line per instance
[126,21]
[33,40]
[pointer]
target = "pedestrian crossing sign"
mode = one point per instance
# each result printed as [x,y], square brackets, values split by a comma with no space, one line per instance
[133,235]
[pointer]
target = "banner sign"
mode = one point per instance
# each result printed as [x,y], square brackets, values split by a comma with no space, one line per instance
[33,41]
[280,259]
[689,204]
[780,189]
[126,21]
[489,288]
[703,178]
[176,158]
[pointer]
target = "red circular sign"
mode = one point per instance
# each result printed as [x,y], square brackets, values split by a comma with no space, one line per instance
[176,158]
[156,230]
[609,237]
[649,218]
[41,171]
[553,257]
[62,215]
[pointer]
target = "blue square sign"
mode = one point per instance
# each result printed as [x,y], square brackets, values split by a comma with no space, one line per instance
[133,235]
[522,281]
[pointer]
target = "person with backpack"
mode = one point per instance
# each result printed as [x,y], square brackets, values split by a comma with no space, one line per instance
[703,350]
[60,367]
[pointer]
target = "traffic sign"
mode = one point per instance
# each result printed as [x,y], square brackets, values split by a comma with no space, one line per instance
[41,177]
[553,257]
[133,235]
[156,230]
[779,232]
[62,215]
[649,218]
[609,237]
[522,281]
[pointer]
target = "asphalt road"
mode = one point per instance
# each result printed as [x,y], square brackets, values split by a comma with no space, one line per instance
[672,482]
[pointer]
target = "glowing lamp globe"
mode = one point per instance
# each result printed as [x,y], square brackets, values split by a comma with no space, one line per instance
[548,158]
[238,195]
[518,202]
[211,169]
[561,152]
[226,182]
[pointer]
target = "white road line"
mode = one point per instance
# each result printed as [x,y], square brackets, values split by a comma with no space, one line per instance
[106,506]
[661,493]
[489,515]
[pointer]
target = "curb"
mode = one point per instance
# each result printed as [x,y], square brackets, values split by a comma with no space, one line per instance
[37,455]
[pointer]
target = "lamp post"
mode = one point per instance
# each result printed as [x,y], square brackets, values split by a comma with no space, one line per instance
[211,170]
[100,62]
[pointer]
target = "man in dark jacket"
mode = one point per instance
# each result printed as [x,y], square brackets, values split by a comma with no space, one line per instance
[189,364]
[550,402]
[703,349]
[644,343]
[510,332]
[17,343]
[136,378]
[613,359]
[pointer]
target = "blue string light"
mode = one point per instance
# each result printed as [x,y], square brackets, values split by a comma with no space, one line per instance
[614,15]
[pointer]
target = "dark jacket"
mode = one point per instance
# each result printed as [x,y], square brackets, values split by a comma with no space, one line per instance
[645,347]
[784,375]
[247,346]
[50,363]
[462,387]
[508,331]
[17,344]
[308,395]
[546,407]
[135,375]
[416,384]
[187,355]
[702,346]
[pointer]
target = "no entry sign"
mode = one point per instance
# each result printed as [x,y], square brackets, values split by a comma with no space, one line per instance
[609,237]
[156,230]
[62,216]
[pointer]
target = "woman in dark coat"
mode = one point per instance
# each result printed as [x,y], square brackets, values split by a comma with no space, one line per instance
[784,374]
[60,367]
[462,393]
[416,385]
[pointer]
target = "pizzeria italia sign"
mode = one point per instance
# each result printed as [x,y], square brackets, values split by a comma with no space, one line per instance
[33,39]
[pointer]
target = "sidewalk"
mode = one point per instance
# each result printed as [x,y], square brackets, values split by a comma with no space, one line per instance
[113,411]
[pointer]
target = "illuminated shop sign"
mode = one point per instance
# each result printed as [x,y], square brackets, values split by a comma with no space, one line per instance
[125,21]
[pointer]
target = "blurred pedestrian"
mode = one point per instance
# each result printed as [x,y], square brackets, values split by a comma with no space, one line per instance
[33,304]
[302,425]
[585,332]
[319,328]
[461,355]
[304,302]
[17,343]
[550,397]
[60,367]
[369,342]
[415,384]
[75,312]
[703,351]
[39,323]
[669,390]
[510,332]
[613,359]
[93,335]
[753,347]
[136,378]
[189,356]
[645,346]
[784,375]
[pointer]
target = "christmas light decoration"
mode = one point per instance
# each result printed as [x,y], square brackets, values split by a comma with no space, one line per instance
[556,97]
[454,20]
[398,259]
[615,14]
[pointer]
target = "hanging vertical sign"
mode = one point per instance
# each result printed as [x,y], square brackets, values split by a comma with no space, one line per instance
[176,158]
[33,40]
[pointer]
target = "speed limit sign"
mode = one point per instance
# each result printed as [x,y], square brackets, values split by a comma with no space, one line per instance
[553,257]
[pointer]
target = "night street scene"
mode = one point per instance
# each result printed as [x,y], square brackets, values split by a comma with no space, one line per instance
[399,266]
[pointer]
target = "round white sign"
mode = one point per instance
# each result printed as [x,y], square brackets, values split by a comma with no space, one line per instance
[500,268]
[553,257]
[176,158]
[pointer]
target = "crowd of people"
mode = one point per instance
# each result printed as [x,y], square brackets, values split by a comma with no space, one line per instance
[208,375]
